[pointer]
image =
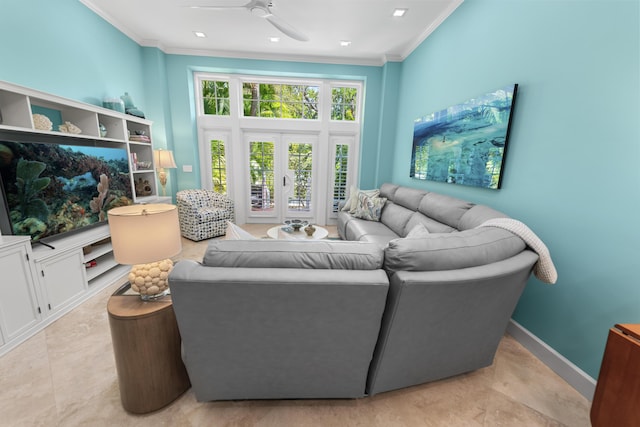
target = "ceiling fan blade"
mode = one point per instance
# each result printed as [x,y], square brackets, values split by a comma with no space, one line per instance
[286,28]
[218,4]
[222,4]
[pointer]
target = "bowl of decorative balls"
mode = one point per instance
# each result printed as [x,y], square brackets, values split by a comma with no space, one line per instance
[296,224]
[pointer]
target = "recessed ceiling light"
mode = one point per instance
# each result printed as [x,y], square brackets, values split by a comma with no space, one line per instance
[274,39]
[399,12]
[200,34]
[345,43]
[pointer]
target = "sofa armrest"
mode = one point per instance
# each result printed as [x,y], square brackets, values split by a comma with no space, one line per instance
[453,320]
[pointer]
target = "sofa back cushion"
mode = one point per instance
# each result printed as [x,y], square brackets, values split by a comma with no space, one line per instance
[268,253]
[445,209]
[450,251]
[432,225]
[395,217]
[408,197]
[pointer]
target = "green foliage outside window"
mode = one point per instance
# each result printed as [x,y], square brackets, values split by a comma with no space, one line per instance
[215,97]
[281,101]
[218,166]
[343,103]
[301,163]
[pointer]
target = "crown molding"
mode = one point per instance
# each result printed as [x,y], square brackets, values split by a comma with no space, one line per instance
[430,29]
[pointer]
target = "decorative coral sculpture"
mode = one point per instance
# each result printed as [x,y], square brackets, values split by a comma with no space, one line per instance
[151,280]
[69,127]
[42,122]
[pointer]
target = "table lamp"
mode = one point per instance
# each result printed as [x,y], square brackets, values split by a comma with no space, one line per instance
[146,236]
[163,159]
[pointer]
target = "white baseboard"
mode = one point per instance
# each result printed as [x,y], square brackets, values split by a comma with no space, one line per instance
[576,377]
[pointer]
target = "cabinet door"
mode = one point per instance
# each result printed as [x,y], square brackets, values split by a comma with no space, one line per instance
[18,304]
[62,279]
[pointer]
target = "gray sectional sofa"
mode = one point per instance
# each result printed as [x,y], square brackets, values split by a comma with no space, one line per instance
[382,310]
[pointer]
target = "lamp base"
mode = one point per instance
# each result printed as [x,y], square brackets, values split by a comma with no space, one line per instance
[151,280]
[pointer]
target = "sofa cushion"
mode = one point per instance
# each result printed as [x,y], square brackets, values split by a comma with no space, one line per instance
[352,202]
[477,215]
[388,190]
[408,197]
[417,232]
[395,217]
[369,207]
[450,251]
[431,224]
[270,253]
[358,228]
[445,209]
[234,232]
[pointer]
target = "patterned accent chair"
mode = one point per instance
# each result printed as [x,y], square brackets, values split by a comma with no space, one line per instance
[203,214]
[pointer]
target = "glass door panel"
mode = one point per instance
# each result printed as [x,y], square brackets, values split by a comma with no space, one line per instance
[262,175]
[300,170]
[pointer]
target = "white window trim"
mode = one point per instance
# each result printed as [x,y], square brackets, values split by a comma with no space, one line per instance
[233,127]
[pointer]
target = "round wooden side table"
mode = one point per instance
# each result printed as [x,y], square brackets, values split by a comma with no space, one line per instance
[146,344]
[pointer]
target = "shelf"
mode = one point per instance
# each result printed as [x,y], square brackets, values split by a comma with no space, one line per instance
[104,263]
[109,277]
[18,104]
[97,251]
[58,274]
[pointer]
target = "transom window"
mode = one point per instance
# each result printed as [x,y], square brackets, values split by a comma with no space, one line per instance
[283,101]
[215,97]
[343,103]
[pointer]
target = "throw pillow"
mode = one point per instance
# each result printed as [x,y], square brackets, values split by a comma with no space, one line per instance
[236,233]
[369,208]
[417,232]
[352,200]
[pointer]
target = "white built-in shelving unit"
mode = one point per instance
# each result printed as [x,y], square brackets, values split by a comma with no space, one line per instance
[42,283]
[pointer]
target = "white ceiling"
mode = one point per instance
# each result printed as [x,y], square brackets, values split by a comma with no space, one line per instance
[376,36]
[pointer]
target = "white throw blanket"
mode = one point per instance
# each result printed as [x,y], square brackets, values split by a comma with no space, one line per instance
[544,268]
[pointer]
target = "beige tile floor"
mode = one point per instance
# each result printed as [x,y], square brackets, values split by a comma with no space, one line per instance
[65,376]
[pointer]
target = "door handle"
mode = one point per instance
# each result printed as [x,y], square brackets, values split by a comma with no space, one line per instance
[284,181]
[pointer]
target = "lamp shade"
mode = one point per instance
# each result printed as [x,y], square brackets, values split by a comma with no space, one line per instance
[144,233]
[164,159]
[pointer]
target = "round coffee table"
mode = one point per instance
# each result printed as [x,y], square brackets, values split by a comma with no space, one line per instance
[278,233]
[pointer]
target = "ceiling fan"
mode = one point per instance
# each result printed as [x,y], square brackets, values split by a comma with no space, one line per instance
[262,9]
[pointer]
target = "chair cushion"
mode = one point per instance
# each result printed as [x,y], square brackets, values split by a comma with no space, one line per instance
[208,214]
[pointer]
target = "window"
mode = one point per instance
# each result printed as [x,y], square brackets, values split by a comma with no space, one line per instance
[218,166]
[341,162]
[343,103]
[300,162]
[215,97]
[262,175]
[280,146]
[283,101]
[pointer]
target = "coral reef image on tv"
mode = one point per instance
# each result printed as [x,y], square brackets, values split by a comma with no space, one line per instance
[51,189]
[466,143]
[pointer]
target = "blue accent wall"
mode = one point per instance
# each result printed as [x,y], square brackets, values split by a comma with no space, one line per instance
[62,47]
[572,170]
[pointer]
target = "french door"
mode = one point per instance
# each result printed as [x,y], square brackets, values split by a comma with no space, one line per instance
[282,176]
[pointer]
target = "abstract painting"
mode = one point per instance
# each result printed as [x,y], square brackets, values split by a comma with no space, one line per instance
[466,143]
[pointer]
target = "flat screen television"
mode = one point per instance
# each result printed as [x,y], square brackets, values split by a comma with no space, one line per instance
[50,189]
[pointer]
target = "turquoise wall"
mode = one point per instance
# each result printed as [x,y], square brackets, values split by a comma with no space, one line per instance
[572,168]
[63,48]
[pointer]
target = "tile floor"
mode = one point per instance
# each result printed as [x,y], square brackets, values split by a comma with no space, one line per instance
[65,376]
